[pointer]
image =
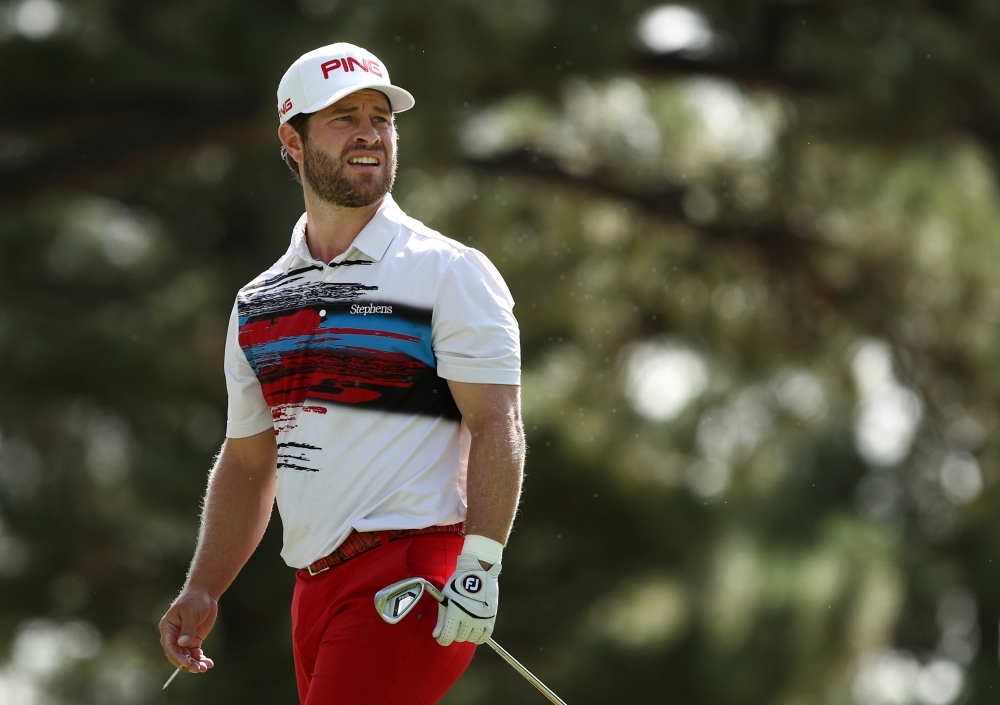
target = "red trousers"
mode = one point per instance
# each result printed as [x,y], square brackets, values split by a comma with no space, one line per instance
[346,655]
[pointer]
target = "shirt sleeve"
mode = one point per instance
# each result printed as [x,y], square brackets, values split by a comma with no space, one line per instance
[475,334]
[248,413]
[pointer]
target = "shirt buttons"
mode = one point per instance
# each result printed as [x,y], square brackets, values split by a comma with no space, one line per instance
[322,313]
[328,277]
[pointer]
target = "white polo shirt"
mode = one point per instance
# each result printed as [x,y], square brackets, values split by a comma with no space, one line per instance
[348,362]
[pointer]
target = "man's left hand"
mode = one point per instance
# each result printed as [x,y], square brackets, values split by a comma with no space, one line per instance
[473,594]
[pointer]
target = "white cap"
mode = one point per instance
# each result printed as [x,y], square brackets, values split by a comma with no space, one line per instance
[323,76]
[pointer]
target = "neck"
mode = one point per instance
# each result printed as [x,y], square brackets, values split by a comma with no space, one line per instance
[331,229]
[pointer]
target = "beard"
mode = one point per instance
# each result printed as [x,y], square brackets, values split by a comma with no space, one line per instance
[329,180]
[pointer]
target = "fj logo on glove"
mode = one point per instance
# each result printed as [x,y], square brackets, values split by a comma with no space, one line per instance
[472,583]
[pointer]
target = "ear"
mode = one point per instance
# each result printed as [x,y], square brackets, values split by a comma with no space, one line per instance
[291,141]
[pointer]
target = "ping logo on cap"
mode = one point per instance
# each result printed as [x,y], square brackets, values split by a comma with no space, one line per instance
[347,63]
[472,584]
[285,107]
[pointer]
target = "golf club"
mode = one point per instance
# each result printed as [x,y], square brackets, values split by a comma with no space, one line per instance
[395,602]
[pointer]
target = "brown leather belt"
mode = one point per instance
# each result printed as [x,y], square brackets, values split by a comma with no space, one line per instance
[357,542]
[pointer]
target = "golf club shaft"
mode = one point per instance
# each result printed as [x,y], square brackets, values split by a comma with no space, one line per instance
[531,678]
[542,688]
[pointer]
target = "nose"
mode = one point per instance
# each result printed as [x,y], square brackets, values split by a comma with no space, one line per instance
[367,134]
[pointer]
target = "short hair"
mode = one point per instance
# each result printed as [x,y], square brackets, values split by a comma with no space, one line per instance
[300,121]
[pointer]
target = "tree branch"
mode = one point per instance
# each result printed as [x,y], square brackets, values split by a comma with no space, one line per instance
[74,144]
[773,239]
[746,73]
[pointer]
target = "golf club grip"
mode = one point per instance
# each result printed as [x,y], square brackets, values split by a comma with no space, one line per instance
[529,676]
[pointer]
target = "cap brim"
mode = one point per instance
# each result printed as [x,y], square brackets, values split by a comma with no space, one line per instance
[399,100]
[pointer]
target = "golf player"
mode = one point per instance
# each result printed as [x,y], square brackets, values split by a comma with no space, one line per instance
[373,374]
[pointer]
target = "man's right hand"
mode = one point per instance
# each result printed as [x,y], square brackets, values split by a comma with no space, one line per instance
[185,626]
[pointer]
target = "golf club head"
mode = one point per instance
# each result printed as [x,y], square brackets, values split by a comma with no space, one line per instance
[395,601]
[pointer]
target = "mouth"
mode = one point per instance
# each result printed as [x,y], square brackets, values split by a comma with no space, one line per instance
[364,161]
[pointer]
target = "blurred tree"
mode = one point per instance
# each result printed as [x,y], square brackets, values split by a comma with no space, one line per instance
[752,245]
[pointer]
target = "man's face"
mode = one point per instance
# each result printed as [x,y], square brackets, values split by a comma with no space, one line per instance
[349,154]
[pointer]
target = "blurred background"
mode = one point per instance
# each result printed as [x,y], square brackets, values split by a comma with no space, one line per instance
[753,245]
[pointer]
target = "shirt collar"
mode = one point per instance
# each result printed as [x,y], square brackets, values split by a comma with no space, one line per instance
[373,241]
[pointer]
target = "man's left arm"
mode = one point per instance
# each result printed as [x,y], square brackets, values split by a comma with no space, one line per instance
[492,413]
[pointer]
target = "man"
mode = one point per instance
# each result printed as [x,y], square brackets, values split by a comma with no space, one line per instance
[373,375]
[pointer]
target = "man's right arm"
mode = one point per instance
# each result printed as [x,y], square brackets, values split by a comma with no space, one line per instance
[237,508]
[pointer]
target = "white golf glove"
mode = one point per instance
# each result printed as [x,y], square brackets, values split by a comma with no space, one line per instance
[472,598]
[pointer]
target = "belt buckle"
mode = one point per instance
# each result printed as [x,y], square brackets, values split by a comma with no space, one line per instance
[314,573]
